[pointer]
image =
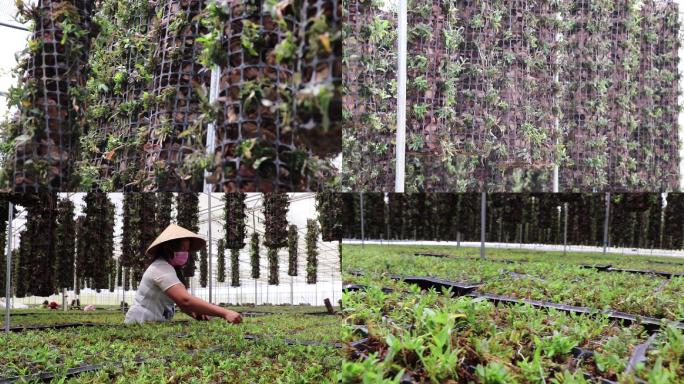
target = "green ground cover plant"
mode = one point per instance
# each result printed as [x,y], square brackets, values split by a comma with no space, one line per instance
[432,338]
[169,348]
[559,282]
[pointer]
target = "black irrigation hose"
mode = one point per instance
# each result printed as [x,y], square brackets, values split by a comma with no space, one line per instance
[71,312]
[75,325]
[48,376]
[651,324]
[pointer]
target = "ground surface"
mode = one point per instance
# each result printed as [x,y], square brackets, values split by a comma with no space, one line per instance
[273,344]
[432,336]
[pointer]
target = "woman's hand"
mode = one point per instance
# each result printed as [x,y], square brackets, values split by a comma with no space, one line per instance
[199,316]
[232,317]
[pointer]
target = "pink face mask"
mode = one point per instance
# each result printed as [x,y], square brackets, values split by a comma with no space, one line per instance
[179,258]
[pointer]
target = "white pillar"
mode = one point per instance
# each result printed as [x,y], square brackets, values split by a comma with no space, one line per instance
[363,236]
[401,98]
[483,223]
[209,276]
[606,223]
[8,262]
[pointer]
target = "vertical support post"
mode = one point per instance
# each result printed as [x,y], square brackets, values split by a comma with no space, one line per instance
[556,122]
[291,290]
[211,127]
[209,275]
[606,222]
[565,228]
[483,222]
[64,303]
[680,101]
[211,147]
[8,262]
[402,42]
[388,230]
[363,234]
[555,170]
[255,280]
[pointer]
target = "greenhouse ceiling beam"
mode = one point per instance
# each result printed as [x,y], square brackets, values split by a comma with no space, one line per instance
[401,99]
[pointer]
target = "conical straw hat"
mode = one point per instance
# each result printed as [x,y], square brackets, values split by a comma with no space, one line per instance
[173,232]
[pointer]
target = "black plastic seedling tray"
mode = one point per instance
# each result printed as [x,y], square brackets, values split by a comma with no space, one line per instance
[444,255]
[358,287]
[651,324]
[429,254]
[457,288]
[609,268]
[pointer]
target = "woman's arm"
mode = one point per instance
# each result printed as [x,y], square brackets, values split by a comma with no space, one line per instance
[189,303]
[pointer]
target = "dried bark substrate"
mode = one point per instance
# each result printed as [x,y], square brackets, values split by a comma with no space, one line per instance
[51,109]
[175,144]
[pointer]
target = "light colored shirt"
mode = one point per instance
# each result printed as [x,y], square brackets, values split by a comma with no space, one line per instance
[151,302]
